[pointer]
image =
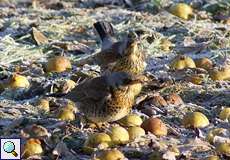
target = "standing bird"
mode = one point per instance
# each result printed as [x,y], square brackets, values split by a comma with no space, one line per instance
[106,98]
[132,60]
[111,49]
[124,55]
[115,56]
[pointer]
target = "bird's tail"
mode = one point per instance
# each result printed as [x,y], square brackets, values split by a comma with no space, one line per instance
[104,29]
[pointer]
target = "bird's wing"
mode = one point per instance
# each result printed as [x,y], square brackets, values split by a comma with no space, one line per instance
[94,89]
[111,54]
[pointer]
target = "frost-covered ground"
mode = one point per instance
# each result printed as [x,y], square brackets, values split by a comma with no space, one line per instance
[70,23]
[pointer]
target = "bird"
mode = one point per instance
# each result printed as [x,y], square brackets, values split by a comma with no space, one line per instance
[123,55]
[106,98]
[111,48]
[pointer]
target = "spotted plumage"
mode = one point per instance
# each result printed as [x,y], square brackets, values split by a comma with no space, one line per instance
[107,98]
[132,62]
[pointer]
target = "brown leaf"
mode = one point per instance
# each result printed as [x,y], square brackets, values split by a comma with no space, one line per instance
[39,37]
[78,48]
[36,131]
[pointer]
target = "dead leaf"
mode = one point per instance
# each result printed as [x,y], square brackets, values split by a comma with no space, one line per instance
[39,37]
[78,48]
[35,131]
